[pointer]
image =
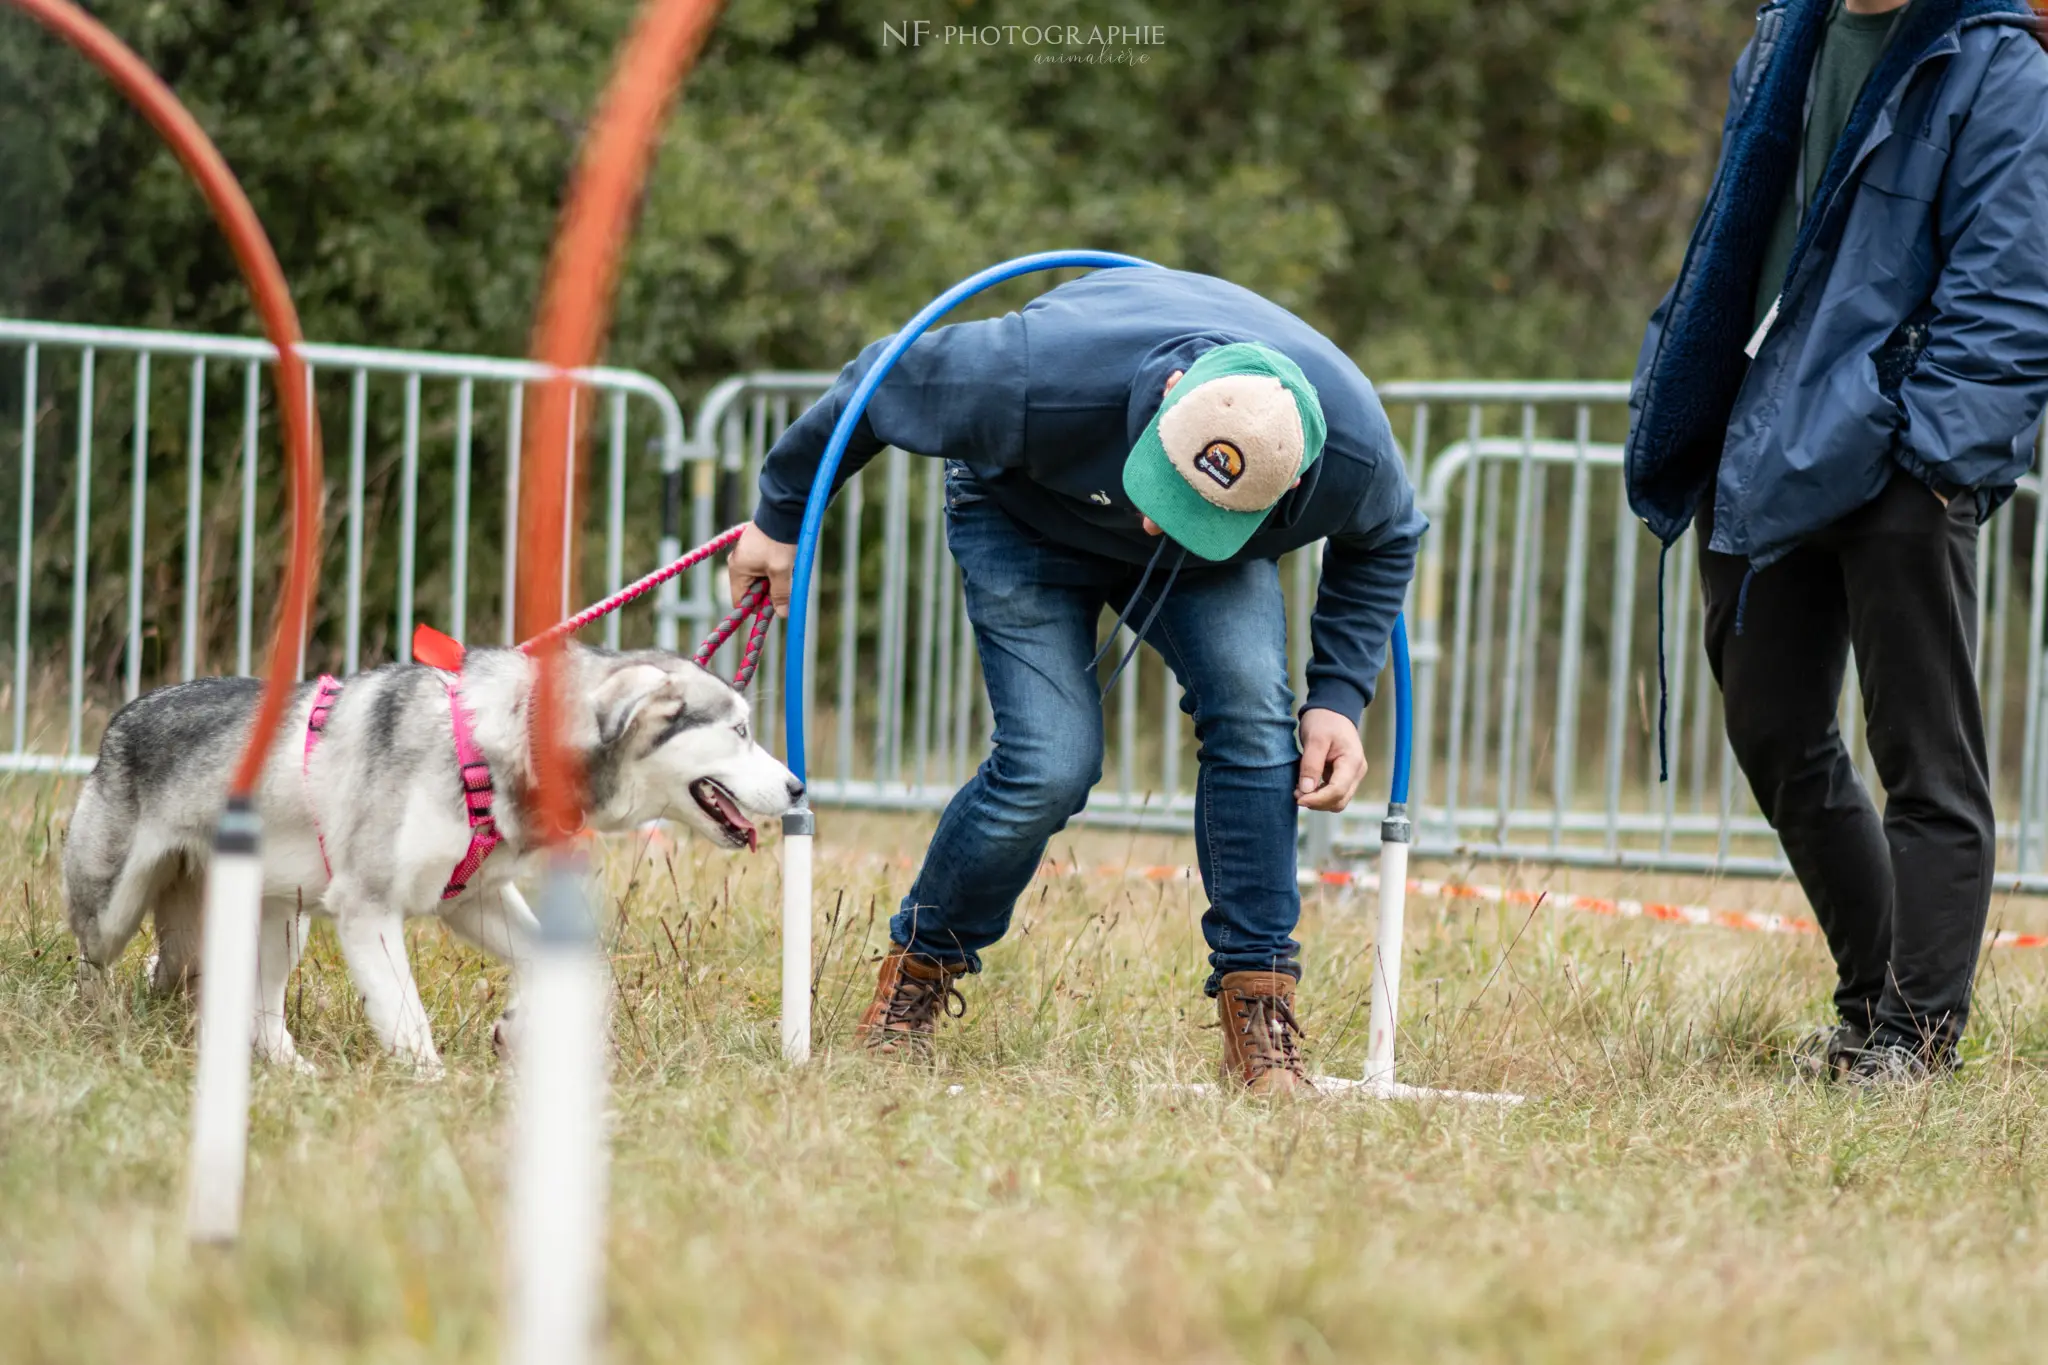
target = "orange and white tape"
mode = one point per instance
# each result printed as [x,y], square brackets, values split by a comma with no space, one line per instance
[1745,921]
[1704,916]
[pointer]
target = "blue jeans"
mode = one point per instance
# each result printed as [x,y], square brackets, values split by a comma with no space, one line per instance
[1035,607]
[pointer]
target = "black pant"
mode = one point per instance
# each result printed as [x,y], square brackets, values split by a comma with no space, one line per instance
[1902,900]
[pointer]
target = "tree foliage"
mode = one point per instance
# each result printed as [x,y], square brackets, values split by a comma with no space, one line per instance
[1445,188]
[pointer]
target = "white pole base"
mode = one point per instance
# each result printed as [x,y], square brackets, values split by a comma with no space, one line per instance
[556,1228]
[1350,1088]
[227,1013]
[1346,1087]
[798,828]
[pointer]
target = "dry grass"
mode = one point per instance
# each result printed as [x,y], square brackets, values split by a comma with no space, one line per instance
[1668,1195]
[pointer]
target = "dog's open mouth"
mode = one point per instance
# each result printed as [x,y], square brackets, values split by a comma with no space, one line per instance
[715,801]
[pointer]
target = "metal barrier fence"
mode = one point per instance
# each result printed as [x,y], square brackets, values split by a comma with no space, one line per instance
[169,587]
[1506,769]
[1536,690]
[1533,612]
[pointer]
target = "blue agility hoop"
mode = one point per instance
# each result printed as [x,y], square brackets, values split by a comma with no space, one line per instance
[835,452]
[799,826]
[1404,722]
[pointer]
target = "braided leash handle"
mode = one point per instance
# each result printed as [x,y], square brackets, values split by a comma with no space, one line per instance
[755,606]
[757,636]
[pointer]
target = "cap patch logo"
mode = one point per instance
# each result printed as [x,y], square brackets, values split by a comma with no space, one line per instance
[1235,440]
[1221,461]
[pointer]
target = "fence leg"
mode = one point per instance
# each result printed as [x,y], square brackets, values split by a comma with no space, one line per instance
[558,1180]
[798,828]
[1318,838]
[227,1013]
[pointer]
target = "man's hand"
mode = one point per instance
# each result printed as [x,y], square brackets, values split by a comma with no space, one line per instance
[757,557]
[1332,761]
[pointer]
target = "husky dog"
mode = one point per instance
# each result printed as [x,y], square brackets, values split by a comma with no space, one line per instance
[367,815]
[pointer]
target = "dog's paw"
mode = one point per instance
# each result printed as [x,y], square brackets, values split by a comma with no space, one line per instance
[287,1058]
[272,1042]
[93,987]
[295,1064]
[423,1061]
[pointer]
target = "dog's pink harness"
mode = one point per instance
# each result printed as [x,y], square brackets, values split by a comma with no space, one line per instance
[477,789]
[438,651]
[316,722]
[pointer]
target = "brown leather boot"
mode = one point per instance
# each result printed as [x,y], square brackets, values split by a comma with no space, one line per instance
[911,993]
[1261,1041]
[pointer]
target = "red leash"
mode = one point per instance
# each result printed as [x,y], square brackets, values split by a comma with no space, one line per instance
[436,650]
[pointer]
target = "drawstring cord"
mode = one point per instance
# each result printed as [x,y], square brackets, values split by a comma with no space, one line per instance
[1124,616]
[1742,598]
[1663,683]
[1150,617]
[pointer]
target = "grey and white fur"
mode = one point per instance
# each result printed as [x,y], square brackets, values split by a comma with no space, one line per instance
[660,739]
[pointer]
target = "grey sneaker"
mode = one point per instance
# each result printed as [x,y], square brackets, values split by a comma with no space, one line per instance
[1828,1053]
[1891,1066]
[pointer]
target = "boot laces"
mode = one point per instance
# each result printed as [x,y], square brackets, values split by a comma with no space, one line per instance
[916,1004]
[1272,1034]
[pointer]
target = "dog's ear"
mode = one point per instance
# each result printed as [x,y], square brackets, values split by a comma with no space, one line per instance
[622,696]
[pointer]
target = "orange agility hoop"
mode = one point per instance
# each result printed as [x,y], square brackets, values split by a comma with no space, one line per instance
[223,193]
[575,314]
[555,1228]
[234,878]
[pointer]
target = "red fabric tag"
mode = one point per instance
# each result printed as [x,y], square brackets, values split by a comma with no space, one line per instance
[435,650]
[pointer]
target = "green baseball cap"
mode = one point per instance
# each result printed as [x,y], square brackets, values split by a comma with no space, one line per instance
[1234,434]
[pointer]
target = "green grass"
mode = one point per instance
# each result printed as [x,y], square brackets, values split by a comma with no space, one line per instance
[1667,1194]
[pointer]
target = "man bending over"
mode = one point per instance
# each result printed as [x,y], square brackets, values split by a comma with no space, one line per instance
[1153,441]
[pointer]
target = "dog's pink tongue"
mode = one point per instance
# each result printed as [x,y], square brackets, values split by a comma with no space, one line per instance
[733,813]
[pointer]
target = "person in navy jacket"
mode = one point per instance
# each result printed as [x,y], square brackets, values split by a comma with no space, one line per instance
[1153,440]
[1842,386]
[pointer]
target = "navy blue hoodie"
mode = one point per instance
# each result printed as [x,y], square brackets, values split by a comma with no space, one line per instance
[1044,405]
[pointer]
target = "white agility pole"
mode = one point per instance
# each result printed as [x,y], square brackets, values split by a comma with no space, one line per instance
[1383,1022]
[1383,1019]
[798,829]
[227,1022]
[1386,962]
[555,1275]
